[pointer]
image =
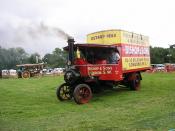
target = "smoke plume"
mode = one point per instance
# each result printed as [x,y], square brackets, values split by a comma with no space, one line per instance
[33,37]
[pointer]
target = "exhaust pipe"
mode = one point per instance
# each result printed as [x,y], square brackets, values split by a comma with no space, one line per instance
[71,42]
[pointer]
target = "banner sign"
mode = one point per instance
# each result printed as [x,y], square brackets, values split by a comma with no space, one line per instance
[129,63]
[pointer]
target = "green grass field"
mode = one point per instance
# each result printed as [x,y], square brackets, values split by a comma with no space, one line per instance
[31,104]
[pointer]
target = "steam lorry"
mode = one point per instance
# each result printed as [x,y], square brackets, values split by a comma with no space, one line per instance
[88,69]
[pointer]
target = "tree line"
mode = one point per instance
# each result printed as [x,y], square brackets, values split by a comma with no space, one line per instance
[161,55]
[9,58]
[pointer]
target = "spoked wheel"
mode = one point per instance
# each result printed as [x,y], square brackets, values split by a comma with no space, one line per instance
[64,92]
[82,94]
[135,82]
[26,74]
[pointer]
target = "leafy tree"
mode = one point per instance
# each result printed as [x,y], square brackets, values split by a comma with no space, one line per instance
[159,55]
[9,58]
[34,58]
[172,55]
[56,59]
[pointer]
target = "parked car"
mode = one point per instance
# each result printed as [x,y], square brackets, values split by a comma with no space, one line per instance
[5,73]
[160,67]
[12,72]
[58,70]
[49,71]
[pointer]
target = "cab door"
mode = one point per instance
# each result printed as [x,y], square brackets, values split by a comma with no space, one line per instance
[113,71]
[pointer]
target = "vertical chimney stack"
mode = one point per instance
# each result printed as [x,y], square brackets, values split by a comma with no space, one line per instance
[71,42]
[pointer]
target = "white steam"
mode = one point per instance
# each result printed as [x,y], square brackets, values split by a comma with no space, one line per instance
[33,37]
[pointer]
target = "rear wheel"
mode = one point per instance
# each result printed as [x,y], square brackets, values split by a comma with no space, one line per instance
[64,92]
[82,94]
[135,81]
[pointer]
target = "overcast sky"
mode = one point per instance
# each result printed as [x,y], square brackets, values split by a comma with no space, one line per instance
[21,21]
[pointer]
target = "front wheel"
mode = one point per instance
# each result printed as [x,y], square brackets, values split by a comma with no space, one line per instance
[82,94]
[64,92]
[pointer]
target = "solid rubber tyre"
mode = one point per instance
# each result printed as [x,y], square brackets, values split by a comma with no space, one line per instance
[82,94]
[135,82]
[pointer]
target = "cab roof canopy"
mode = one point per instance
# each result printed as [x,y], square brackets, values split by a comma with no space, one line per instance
[30,65]
[86,45]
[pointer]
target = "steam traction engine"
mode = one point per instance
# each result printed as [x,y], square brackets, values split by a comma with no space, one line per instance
[89,68]
[29,70]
